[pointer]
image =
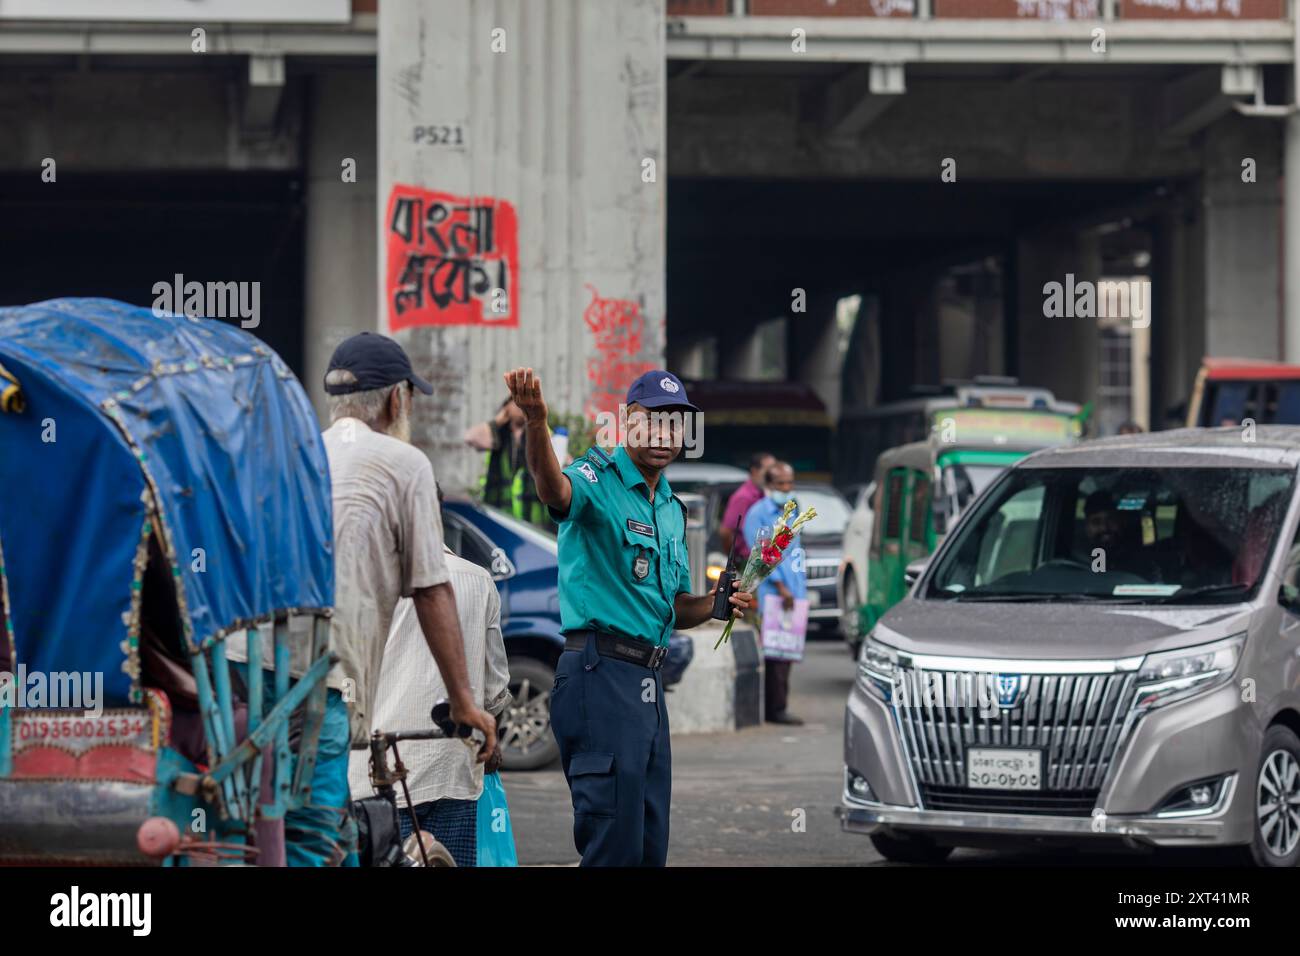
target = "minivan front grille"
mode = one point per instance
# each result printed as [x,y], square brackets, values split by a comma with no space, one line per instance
[1074,720]
[817,570]
[1061,803]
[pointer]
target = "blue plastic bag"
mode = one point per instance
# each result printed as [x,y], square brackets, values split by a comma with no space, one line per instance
[496,840]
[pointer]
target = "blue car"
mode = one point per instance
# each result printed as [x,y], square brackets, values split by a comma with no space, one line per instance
[523,562]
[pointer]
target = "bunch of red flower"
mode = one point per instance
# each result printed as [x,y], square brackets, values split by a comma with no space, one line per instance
[771,551]
[768,551]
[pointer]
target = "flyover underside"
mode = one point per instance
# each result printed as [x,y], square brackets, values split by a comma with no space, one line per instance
[951,206]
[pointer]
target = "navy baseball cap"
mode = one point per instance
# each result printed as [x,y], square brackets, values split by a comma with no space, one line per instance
[377,362]
[657,389]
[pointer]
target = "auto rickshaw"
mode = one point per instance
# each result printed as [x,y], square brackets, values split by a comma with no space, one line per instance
[163,490]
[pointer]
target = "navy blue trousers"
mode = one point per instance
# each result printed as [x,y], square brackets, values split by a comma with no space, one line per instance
[611,722]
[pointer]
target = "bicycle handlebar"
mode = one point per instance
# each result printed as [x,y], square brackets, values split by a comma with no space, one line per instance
[445,729]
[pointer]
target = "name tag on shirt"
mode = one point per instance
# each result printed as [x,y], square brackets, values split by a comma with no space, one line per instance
[640,528]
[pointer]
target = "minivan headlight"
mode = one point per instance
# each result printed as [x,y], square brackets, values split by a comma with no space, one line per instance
[1178,674]
[877,664]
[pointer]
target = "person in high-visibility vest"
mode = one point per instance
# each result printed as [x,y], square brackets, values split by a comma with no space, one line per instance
[506,483]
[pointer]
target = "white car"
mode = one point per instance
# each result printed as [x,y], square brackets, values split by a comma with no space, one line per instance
[714,483]
[851,585]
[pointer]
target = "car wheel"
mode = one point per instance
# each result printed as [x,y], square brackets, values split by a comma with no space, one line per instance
[524,728]
[911,848]
[849,614]
[1277,800]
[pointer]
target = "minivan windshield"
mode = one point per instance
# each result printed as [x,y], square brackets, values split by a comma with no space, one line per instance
[1130,535]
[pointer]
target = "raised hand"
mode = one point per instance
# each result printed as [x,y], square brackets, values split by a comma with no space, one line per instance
[526,391]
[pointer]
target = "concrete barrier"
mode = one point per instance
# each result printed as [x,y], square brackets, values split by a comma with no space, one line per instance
[721,690]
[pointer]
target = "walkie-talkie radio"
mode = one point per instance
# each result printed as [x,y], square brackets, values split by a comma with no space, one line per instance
[722,599]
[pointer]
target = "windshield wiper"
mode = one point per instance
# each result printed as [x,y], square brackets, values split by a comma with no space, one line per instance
[1039,597]
[1011,597]
[1205,590]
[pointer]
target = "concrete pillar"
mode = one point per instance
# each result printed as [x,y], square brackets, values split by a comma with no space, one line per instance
[521,203]
[814,355]
[1140,372]
[989,329]
[969,318]
[1291,244]
[692,358]
[958,350]
[898,337]
[1057,352]
[340,276]
[926,368]
[1242,222]
[742,354]
[860,372]
[1177,333]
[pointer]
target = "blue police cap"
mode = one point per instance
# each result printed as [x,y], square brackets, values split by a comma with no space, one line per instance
[376,361]
[657,389]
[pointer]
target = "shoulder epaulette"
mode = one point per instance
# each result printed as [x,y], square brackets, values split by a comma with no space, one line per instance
[598,457]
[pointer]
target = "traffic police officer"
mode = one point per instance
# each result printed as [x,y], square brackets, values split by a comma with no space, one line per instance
[624,586]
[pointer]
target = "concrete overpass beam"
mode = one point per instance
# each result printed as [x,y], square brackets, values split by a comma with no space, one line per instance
[263,89]
[1193,102]
[855,100]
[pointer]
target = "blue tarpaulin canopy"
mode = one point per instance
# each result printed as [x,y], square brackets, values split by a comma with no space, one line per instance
[134,423]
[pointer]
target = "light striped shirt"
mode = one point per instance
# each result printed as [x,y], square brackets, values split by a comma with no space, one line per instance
[409,686]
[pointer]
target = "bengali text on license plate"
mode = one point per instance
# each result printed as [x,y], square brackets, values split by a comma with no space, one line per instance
[1004,769]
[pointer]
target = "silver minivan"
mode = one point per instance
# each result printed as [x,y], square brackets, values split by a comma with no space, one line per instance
[1105,648]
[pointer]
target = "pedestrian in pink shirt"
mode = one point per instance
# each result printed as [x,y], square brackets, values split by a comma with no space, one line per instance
[741,500]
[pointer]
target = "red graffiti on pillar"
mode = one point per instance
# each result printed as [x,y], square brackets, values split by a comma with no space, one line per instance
[616,325]
[450,260]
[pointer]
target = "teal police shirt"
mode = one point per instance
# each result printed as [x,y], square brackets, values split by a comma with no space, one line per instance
[622,559]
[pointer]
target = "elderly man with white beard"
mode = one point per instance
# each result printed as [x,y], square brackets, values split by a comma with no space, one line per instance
[387,546]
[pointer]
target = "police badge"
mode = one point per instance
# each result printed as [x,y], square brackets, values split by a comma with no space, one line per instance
[640,564]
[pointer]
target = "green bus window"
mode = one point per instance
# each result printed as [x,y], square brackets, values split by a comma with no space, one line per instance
[920,507]
[894,506]
[877,524]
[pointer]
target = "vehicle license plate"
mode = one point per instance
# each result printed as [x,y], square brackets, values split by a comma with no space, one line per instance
[1004,769]
[76,732]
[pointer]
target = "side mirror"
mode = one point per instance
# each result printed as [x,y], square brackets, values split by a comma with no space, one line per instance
[914,571]
[940,515]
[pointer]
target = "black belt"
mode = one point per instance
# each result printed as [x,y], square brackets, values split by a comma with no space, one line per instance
[619,648]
